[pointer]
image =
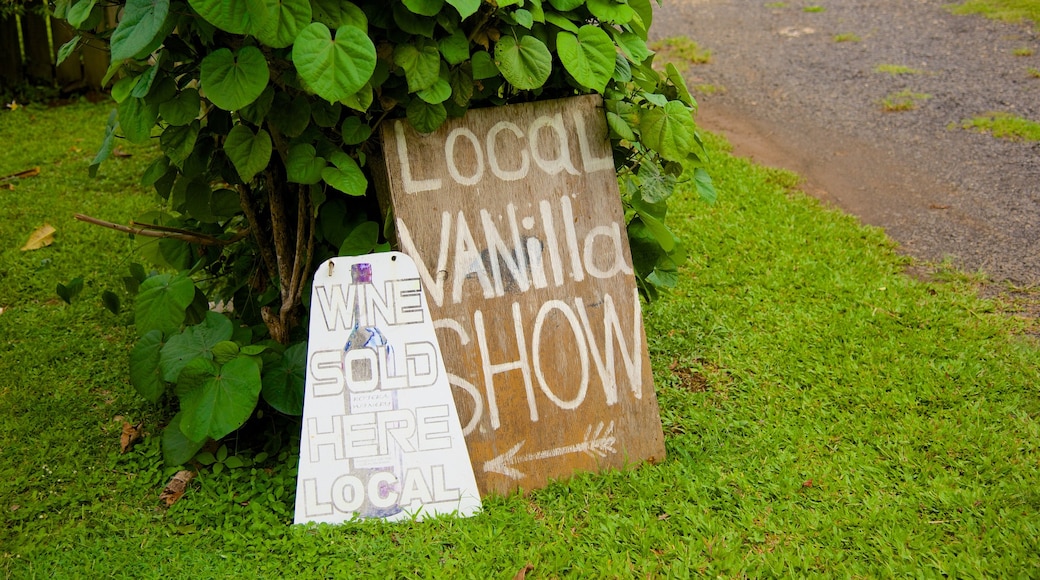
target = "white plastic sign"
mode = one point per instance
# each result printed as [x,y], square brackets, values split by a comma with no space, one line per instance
[381,435]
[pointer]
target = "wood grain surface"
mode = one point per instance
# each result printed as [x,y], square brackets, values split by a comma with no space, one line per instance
[513,217]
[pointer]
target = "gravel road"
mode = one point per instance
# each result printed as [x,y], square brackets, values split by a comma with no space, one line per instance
[791,96]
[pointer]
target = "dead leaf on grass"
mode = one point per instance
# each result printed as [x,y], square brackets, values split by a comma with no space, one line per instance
[21,174]
[522,573]
[43,236]
[131,434]
[177,486]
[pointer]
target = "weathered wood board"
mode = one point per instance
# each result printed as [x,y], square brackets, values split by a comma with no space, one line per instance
[381,436]
[513,217]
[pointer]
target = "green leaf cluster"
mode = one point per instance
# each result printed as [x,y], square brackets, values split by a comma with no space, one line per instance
[214,369]
[265,114]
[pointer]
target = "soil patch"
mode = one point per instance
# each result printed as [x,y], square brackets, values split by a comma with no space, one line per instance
[787,94]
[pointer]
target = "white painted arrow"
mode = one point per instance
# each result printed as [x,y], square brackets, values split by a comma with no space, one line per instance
[598,442]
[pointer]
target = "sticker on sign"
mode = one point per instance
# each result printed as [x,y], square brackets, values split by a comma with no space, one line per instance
[381,435]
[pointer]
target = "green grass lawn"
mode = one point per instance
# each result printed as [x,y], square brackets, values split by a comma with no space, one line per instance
[825,414]
[1007,10]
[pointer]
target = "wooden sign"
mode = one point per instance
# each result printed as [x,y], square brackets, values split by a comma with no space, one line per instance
[381,436]
[513,217]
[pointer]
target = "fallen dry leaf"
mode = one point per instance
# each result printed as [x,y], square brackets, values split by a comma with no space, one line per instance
[131,434]
[43,236]
[522,573]
[177,486]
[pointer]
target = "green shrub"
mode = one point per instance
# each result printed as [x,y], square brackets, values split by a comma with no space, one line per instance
[266,113]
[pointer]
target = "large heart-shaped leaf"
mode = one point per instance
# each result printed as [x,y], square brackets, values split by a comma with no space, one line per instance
[361,100]
[705,186]
[290,116]
[440,90]
[79,12]
[145,81]
[466,8]
[136,119]
[256,112]
[354,131]
[110,300]
[645,12]
[345,175]
[454,48]
[178,142]
[334,68]
[177,448]
[654,187]
[525,63]
[421,63]
[588,56]
[566,5]
[67,49]
[232,80]
[611,11]
[426,118]
[411,22]
[216,400]
[336,13]
[424,7]
[144,366]
[303,165]
[324,113]
[483,65]
[108,143]
[234,16]
[669,130]
[249,152]
[161,302]
[633,45]
[461,81]
[679,82]
[283,380]
[181,109]
[361,240]
[75,286]
[198,200]
[285,19]
[141,23]
[196,341]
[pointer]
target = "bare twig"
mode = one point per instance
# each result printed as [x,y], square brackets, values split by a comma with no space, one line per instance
[262,240]
[21,175]
[151,231]
[304,247]
[280,231]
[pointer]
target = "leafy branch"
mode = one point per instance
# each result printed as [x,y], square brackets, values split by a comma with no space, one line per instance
[265,114]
